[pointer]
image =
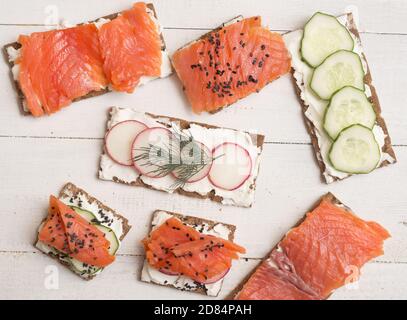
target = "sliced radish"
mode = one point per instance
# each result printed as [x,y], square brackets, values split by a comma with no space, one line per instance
[168,272]
[119,140]
[231,166]
[195,153]
[216,278]
[158,137]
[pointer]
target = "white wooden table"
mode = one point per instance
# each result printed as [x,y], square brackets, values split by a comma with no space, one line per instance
[37,156]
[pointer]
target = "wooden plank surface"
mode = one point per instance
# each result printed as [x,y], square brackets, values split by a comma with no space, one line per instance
[39,155]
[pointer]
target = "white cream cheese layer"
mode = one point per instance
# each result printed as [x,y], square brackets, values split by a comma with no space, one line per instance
[105,218]
[150,274]
[211,137]
[316,107]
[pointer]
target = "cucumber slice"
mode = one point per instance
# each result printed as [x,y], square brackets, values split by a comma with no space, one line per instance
[342,68]
[111,236]
[355,150]
[348,106]
[324,35]
[87,215]
[83,268]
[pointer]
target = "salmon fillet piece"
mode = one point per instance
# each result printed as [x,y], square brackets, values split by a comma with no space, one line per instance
[131,48]
[59,66]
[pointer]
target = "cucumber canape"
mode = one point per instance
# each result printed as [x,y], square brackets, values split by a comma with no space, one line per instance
[355,150]
[348,106]
[84,268]
[340,69]
[323,35]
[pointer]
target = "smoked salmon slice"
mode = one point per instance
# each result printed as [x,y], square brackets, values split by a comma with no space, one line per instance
[68,232]
[325,252]
[131,48]
[230,63]
[59,66]
[177,249]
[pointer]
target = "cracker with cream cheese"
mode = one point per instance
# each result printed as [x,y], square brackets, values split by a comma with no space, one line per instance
[314,127]
[242,196]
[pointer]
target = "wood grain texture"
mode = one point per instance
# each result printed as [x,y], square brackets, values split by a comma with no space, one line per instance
[38,156]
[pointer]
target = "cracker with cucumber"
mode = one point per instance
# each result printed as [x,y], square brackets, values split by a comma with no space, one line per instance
[340,105]
[81,232]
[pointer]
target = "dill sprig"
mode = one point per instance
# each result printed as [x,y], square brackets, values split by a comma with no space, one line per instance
[170,157]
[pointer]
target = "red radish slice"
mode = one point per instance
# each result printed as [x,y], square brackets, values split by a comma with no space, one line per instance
[216,278]
[231,166]
[160,138]
[168,272]
[209,281]
[195,153]
[119,140]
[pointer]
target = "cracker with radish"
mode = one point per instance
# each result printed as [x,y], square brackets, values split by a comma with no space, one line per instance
[340,104]
[189,253]
[174,155]
[81,232]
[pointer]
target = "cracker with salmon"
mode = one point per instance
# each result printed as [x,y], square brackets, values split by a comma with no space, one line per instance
[81,232]
[87,60]
[323,252]
[188,253]
[230,63]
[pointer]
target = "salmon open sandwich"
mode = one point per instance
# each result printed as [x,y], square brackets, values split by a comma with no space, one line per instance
[120,52]
[81,232]
[324,252]
[189,253]
[229,63]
